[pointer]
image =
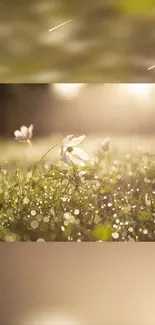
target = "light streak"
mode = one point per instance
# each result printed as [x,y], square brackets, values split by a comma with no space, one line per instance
[150,68]
[66,22]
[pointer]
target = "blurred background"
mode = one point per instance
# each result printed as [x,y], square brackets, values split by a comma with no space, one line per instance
[123,112]
[118,109]
[107,41]
[79,284]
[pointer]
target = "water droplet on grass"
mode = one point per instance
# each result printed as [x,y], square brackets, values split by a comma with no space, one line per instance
[115,235]
[40,240]
[46,219]
[34,224]
[33,212]
[26,200]
[76,212]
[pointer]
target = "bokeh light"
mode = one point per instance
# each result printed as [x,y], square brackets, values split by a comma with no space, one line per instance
[56,317]
[140,91]
[68,90]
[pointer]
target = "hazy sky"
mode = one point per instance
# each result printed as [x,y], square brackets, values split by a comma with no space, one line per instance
[102,284]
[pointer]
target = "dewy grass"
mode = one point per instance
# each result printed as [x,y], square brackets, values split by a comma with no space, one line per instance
[111,198]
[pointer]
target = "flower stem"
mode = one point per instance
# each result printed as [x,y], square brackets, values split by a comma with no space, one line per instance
[29,143]
[42,159]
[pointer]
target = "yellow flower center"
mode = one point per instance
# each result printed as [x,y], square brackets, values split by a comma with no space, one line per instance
[70,149]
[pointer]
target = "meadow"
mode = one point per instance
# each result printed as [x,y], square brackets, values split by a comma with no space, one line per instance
[111,198]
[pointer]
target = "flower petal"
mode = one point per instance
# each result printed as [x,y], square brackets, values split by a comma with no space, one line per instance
[106,144]
[107,140]
[25,131]
[19,135]
[80,153]
[67,139]
[66,157]
[30,130]
[76,141]
[76,160]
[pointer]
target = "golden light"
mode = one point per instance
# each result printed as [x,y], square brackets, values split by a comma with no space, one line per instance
[141,91]
[51,318]
[68,90]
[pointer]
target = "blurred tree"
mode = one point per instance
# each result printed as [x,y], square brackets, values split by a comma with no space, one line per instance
[109,40]
[96,109]
[138,7]
[26,104]
[5,97]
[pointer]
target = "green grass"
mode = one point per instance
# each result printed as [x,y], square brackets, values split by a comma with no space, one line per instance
[111,199]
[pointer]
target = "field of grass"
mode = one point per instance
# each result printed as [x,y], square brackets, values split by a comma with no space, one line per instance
[112,198]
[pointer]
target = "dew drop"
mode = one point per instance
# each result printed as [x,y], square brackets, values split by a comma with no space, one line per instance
[76,212]
[26,200]
[33,212]
[34,224]
[40,240]
[115,235]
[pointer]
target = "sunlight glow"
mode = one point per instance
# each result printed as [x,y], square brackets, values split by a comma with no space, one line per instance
[68,90]
[51,318]
[60,320]
[141,91]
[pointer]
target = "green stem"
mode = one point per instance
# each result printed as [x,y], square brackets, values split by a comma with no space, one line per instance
[42,159]
[29,143]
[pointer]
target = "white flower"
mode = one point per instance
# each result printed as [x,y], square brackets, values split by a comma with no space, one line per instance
[106,144]
[70,153]
[25,134]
